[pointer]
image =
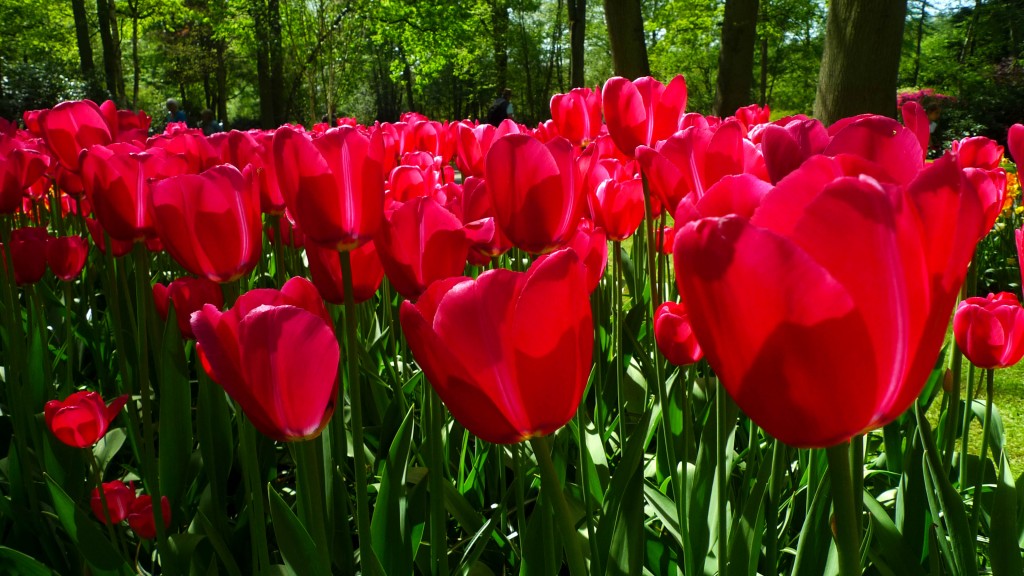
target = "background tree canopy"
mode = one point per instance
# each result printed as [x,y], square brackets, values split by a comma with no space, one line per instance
[264,62]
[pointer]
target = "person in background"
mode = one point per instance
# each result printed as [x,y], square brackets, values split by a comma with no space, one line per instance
[501,108]
[174,112]
[209,124]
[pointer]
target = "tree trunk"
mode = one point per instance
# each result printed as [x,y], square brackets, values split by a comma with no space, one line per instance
[106,11]
[736,57]
[577,32]
[276,62]
[264,79]
[82,37]
[136,67]
[222,83]
[861,60]
[920,37]
[499,25]
[763,100]
[626,33]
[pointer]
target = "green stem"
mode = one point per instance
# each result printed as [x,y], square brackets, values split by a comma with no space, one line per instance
[306,454]
[857,456]
[720,470]
[254,488]
[771,513]
[620,387]
[952,418]
[555,496]
[581,441]
[438,515]
[69,343]
[366,553]
[143,299]
[966,428]
[980,479]
[846,535]
[520,488]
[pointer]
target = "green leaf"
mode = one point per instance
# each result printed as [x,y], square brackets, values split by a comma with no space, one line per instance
[175,413]
[1004,550]
[297,546]
[389,528]
[621,530]
[216,539]
[14,562]
[86,534]
[888,544]
[748,527]
[816,534]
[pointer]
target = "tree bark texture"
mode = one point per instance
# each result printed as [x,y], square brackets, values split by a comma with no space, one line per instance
[577,31]
[106,12]
[626,33]
[736,57]
[264,79]
[861,60]
[82,37]
[499,26]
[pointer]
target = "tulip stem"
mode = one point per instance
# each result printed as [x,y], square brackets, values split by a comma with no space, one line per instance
[555,497]
[846,534]
[306,454]
[966,428]
[254,487]
[980,479]
[69,343]
[620,386]
[97,474]
[366,553]
[143,298]
[952,417]
[720,470]
[438,516]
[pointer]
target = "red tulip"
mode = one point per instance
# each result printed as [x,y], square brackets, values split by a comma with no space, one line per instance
[421,243]
[891,146]
[66,256]
[189,144]
[118,247]
[20,167]
[1015,143]
[188,295]
[142,519]
[115,178]
[784,301]
[536,191]
[287,384]
[786,146]
[509,353]
[28,251]
[577,115]
[210,222]
[334,185]
[674,335]
[325,268]
[618,207]
[119,497]
[916,119]
[642,112]
[990,331]
[591,246]
[752,115]
[82,418]
[70,127]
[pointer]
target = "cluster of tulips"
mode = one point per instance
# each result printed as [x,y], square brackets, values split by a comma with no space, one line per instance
[815,269]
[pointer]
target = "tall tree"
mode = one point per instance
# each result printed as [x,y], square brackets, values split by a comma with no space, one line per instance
[861,60]
[625,24]
[499,28]
[577,33]
[736,57]
[82,38]
[106,12]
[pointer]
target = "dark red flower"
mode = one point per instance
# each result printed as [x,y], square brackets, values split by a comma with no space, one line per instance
[990,330]
[66,256]
[674,335]
[119,496]
[142,519]
[188,295]
[82,418]
[325,268]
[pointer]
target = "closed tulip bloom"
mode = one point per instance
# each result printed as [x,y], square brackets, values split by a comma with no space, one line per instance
[70,127]
[815,336]
[990,330]
[82,418]
[20,168]
[421,243]
[28,251]
[325,268]
[536,191]
[188,295]
[116,180]
[509,353]
[577,114]
[643,111]
[96,232]
[142,519]
[618,207]
[287,383]
[334,185]
[119,496]
[1015,143]
[674,335]
[66,256]
[210,223]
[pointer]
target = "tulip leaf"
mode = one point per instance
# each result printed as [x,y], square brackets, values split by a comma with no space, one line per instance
[86,534]
[216,439]
[996,430]
[216,539]
[1004,549]
[297,546]
[912,502]
[947,506]
[175,413]
[541,548]
[665,511]
[390,528]
[621,529]
[888,544]
[816,534]
[14,562]
[749,525]
[108,446]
